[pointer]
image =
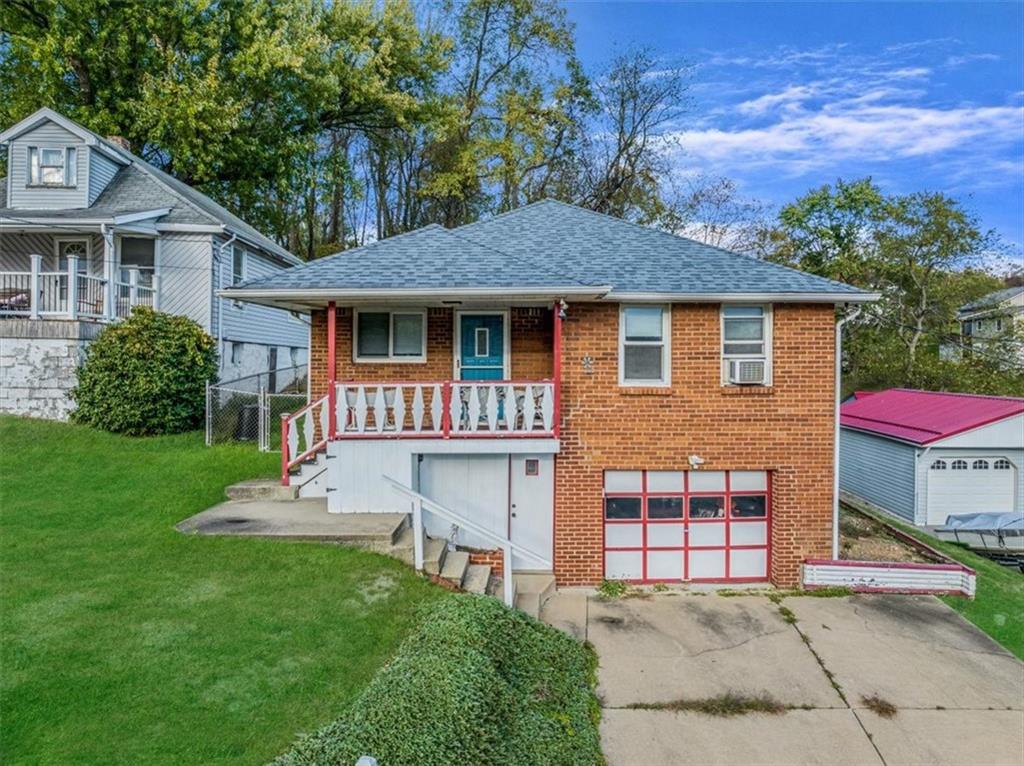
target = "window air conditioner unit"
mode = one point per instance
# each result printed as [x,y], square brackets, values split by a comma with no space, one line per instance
[746,371]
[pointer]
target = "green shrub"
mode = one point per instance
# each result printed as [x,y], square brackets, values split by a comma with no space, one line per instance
[475,683]
[146,375]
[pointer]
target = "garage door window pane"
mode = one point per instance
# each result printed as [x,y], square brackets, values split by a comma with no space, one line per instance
[959,465]
[748,506]
[1002,465]
[707,507]
[622,508]
[664,507]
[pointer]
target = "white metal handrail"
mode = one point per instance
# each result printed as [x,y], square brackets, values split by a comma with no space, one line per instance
[507,546]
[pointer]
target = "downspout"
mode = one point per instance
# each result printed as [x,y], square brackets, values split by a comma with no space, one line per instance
[835,435]
[220,306]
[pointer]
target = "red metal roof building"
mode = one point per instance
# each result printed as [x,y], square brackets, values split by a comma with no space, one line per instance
[923,417]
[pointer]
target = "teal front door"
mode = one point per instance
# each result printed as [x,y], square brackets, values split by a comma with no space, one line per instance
[482,346]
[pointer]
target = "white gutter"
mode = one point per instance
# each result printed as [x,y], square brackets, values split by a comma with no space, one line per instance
[328,293]
[665,297]
[835,435]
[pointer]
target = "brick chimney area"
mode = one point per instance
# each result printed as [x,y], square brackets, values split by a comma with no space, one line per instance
[120,141]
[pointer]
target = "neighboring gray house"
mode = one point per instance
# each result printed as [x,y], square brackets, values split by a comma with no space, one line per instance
[88,230]
[925,455]
[996,314]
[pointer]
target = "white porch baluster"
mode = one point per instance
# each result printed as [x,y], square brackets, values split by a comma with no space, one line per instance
[529,408]
[492,408]
[511,407]
[293,439]
[361,409]
[417,409]
[398,409]
[547,406]
[307,429]
[341,408]
[474,407]
[436,408]
[325,417]
[455,407]
[380,409]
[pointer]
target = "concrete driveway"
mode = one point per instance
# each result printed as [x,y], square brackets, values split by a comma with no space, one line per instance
[958,696]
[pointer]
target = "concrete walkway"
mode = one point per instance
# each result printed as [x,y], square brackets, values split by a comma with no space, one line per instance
[959,697]
[296,520]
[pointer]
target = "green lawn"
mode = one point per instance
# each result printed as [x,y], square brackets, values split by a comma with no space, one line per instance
[124,641]
[998,606]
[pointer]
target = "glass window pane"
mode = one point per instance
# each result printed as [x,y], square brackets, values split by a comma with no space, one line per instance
[53,157]
[748,506]
[408,334]
[373,335]
[622,507]
[643,323]
[664,507]
[744,311]
[136,251]
[744,329]
[72,167]
[752,349]
[53,175]
[642,363]
[707,507]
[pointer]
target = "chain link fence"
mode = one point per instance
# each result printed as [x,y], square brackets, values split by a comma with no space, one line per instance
[249,409]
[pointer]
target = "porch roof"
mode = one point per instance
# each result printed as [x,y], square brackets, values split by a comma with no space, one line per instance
[548,249]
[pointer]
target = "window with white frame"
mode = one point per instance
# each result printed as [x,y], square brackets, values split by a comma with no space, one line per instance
[237,265]
[395,336]
[78,248]
[644,346]
[746,345]
[52,166]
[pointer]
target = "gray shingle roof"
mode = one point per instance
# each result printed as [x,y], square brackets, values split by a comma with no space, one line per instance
[549,244]
[993,299]
[429,258]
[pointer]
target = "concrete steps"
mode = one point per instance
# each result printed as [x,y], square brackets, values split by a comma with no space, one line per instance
[264,508]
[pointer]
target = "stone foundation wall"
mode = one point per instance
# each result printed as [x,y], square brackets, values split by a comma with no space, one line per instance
[39,362]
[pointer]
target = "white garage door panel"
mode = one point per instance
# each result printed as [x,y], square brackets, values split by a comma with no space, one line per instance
[971,490]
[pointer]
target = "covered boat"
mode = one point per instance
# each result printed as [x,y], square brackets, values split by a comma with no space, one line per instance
[996,534]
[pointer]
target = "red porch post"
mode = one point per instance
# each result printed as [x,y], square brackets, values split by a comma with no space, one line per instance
[558,367]
[332,371]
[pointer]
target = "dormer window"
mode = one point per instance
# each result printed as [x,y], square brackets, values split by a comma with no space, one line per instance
[52,166]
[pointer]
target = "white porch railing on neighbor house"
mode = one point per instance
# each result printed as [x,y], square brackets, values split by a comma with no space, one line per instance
[446,409]
[421,503]
[70,293]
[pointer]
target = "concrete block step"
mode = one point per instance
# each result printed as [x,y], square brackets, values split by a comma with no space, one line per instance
[261,489]
[528,603]
[434,552]
[455,565]
[477,578]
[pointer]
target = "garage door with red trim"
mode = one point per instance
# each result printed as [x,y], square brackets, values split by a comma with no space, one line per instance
[694,526]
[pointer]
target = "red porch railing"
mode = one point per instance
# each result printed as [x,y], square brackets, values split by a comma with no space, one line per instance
[304,433]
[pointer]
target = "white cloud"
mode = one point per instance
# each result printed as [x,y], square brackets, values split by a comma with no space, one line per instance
[805,139]
[910,73]
[957,61]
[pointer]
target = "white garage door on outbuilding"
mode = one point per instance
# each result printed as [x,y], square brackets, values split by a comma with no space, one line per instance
[926,455]
[978,484]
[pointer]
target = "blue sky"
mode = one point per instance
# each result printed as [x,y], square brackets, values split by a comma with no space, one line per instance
[788,96]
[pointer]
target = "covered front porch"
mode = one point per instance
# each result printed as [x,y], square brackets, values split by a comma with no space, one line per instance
[461,372]
[92,271]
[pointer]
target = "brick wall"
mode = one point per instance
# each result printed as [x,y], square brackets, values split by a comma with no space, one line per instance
[786,429]
[531,330]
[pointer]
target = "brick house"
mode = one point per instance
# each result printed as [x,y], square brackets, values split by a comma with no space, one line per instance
[598,399]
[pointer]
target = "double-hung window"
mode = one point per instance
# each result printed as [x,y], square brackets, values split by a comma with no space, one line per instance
[746,345]
[390,336]
[644,346]
[52,166]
